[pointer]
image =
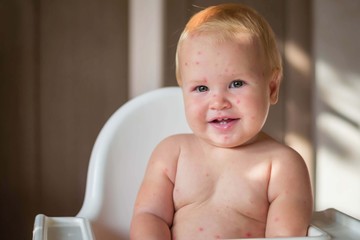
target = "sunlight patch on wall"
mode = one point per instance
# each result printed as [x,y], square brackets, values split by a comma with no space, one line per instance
[339,184]
[338,138]
[340,91]
[341,138]
[298,104]
[297,57]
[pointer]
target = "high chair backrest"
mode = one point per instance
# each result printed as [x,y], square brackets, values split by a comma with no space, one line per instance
[120,154]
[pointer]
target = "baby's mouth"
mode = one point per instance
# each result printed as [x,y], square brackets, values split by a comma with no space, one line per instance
[222,121]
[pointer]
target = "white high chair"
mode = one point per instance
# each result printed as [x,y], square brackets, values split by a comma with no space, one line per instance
[117,166]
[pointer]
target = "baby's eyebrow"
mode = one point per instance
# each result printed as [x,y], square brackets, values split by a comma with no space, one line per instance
[199,81]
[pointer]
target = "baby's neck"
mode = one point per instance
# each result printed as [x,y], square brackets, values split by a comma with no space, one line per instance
[260,137]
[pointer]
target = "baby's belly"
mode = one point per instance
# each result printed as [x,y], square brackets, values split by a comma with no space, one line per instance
[208,221]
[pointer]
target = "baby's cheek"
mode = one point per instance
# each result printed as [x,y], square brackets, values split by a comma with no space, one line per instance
[200,112]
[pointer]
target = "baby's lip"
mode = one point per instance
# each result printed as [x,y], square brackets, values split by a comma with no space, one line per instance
[222,119]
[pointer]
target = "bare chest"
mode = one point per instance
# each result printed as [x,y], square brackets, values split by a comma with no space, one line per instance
[233,183]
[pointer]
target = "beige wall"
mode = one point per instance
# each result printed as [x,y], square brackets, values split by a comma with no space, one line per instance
[337,58]
[146,48]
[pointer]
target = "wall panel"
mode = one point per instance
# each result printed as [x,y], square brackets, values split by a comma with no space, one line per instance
[63,72]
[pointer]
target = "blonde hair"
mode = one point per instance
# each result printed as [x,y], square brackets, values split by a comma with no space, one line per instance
[227,21]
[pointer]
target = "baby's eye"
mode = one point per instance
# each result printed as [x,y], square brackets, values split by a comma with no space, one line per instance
[201,88]
[237,84]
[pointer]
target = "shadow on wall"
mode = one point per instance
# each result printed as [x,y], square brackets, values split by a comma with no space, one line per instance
[337,105]
[339,123]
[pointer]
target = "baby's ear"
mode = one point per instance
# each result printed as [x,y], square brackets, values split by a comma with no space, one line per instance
[274,86]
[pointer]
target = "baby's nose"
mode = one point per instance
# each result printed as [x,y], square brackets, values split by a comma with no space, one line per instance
[219,102]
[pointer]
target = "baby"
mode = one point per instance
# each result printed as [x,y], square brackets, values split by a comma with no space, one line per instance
[228,179]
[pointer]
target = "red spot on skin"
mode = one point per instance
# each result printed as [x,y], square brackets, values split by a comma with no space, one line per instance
[207,174]
[201,229]
[217,237]
[197,62]
[237,101]
[199,53]
[248,234]
[276,219]
[186,64]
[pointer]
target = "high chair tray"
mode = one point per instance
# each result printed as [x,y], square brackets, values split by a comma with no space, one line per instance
[325,225]
[337,224]
[61,228]
[330,224]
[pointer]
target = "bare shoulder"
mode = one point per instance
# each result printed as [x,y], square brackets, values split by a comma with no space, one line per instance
[166,154]
[289,172]
[154,202]
[289,193]
[173,143]
[287,161]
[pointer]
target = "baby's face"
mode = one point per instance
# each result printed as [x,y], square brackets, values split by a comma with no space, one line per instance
[226,87]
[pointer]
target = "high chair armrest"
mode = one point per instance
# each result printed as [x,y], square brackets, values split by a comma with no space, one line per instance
[62,228]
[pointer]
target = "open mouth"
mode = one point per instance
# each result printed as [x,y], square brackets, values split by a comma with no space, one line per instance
[223,123]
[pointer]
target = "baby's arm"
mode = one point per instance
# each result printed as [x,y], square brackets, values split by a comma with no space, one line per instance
[290,197]
[154,208]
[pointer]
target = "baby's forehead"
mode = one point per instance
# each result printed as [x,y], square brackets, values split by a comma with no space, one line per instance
[212,39]
[222,36]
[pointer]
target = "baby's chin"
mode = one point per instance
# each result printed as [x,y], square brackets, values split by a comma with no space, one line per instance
[230,143]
